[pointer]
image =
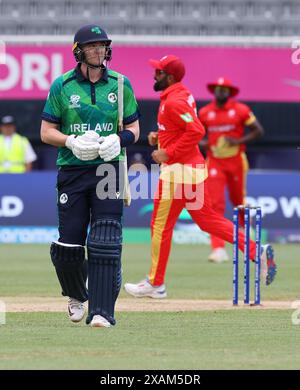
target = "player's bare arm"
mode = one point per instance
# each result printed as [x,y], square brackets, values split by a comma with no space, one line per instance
[160,156]
[256,131]
[84,147]
[51,135]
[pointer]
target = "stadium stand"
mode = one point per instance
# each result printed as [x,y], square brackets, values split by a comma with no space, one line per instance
[168,17]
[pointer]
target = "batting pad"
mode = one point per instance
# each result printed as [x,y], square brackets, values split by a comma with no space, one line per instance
[71,269]
[104,246]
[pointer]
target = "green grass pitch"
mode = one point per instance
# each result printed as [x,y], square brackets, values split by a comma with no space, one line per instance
[212,339]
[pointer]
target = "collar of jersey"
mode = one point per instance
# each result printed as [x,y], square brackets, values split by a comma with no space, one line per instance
[172,88]
[80,76]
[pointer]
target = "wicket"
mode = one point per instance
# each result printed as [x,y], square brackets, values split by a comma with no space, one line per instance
[258,221]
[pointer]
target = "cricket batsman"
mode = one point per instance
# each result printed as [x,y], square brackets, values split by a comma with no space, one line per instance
[81,118]
[225,120]
[182,182]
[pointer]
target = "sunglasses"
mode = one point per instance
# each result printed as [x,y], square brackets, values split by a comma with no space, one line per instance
[159,72]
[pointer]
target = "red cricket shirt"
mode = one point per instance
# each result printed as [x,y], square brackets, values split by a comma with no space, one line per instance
[179,129]
[227,121]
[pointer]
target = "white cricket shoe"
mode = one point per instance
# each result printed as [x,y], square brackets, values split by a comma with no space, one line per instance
[218,255]
[76,310]
[100,322]
[145,289]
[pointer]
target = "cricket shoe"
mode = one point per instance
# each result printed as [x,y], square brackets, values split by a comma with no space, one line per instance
[218,255]
[99,322]
[76,310]
[267,263]
[145,289]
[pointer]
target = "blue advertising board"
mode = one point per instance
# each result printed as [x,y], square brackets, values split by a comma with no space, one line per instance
[28,206]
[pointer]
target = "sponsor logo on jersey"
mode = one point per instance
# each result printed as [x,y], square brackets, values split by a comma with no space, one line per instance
[221,128]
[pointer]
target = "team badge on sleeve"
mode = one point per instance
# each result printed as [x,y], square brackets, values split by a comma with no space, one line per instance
[187,117]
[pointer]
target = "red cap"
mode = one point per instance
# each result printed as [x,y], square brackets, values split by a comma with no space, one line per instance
[171,65]
[223,82]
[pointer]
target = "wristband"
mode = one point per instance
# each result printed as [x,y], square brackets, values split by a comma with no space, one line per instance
[126,138]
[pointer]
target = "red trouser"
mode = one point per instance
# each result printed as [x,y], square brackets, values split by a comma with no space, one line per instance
[165,214]
[227,173]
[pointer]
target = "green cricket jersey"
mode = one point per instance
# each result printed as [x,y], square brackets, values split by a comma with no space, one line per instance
[78,105]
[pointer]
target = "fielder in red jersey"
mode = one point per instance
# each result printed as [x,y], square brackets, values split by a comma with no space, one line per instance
[225,120]
[182,180]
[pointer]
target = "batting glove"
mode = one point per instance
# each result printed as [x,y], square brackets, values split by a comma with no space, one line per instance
[84,147]
[109,147]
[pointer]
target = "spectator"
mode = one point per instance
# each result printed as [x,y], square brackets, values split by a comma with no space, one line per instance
[16,153]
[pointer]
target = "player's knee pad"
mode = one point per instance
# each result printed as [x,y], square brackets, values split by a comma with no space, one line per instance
[71,269]
[104,246]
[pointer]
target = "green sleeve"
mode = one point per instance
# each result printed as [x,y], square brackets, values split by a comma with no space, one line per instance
[131,111]
[53,110]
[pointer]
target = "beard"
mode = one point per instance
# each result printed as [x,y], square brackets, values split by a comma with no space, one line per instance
[160,85]
[222,99]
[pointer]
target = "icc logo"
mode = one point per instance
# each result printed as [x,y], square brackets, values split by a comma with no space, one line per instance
[74,101]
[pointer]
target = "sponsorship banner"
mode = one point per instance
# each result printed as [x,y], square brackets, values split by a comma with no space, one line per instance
[262,74]
[28,208]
